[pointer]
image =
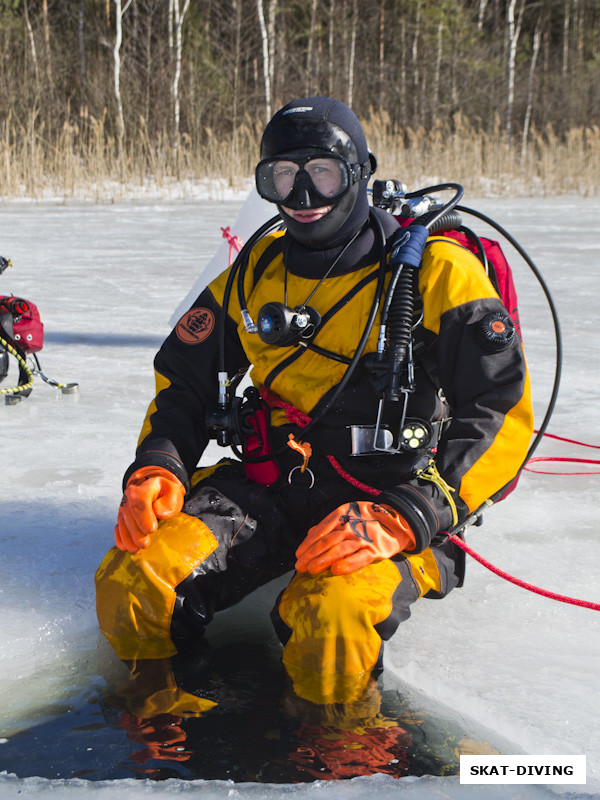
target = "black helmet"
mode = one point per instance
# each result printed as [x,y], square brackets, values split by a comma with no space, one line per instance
[314,154]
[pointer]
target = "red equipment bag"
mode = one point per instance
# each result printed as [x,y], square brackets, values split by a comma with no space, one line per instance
[500,272]
[28,329]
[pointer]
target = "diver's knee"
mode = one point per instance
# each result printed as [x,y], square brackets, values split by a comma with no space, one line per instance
[329,626]
[136,593]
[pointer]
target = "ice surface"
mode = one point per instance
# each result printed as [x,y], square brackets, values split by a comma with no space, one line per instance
[107,280]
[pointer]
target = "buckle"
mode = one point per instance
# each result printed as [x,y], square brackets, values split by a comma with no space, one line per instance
[370,440]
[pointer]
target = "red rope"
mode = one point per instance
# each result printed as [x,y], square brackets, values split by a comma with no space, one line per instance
[293,414]
[235,243]
[568,460]
[518,582]
[354,481]
[570,441]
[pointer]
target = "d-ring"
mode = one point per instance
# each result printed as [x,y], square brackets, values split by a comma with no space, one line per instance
[306,469]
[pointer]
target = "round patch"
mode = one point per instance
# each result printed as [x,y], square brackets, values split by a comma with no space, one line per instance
[195,326]
[496,331]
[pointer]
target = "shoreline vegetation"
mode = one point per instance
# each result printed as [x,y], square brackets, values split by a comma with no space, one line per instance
[83,162]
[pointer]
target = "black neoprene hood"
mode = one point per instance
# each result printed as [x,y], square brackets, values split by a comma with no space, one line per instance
[315,122]
[322,124]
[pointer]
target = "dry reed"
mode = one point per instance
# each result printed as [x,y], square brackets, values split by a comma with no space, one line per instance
[83,161]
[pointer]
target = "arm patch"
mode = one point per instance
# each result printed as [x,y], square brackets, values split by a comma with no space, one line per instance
[496,331]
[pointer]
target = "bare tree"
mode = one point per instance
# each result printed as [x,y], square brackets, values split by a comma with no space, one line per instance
[513,33]
[120,11]
[237,15]
[352,56]
[481,13]
[47,55]
[272,40]
[438,63]
[331,39]
[32,45]
[311,76]
[415,61]
[566,36]
[80,32]
[381,50]
[266,58]
[537,36]
[179,13]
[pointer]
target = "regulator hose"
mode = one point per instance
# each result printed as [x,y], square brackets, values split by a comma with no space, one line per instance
[439,213]
[238,268]
[450,221]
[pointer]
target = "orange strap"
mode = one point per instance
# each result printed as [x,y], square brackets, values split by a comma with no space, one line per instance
[303,448]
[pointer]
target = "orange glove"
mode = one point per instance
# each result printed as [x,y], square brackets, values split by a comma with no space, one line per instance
[151,493]
[353,536]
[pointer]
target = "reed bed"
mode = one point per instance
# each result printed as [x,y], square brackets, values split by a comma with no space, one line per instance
[83,161]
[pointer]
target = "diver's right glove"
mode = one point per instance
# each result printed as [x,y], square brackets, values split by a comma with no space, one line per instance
[151,493]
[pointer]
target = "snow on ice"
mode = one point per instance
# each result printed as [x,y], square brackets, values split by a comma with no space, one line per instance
[107,280]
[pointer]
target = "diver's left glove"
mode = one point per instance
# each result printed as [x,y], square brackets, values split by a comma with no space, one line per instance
[151,493]
[353,536]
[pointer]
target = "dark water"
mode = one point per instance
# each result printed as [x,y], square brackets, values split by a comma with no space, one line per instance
[228,713]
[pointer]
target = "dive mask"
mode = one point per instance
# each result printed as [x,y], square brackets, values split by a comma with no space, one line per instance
[307,179]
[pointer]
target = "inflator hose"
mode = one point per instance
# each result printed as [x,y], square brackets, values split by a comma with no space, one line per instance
[400,306]
[400,318]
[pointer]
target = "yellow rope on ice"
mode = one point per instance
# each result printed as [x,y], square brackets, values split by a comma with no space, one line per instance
[23,387]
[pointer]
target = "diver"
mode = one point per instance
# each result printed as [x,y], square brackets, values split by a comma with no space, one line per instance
[345,472]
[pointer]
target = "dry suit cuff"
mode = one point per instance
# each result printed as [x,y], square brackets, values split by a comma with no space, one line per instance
[153,458]
[417,512]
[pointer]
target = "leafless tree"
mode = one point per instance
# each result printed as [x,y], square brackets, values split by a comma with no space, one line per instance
[266,54]
[186,67]
[513,24]
[120,11]
[178,16]
[537,36]
[32,46]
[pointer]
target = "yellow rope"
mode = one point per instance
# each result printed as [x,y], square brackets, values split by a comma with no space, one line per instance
[430,473]
[17,389]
